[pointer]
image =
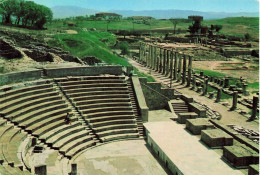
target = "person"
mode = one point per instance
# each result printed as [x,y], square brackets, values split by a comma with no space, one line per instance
[67,119]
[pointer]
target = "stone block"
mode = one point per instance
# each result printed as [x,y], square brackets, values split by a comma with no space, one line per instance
[182,117]
[195,126]
[240,156]
[253,169]
[216,138]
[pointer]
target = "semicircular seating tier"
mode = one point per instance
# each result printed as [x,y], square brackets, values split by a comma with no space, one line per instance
[105,103]
[41,111]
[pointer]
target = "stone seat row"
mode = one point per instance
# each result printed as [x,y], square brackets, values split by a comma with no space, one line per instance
[10,139]
[79,104]
[8,170]
[97,81]
[39,97]
[75,95]
[96,85]
[101,77]
[91,89]
[23,92]
[107,108]
[43,112]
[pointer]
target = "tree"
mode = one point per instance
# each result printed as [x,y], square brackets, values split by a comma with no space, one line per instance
[27,12]
[44,15]
[174,22]
[8,8]
[124,48]
[218,28]
[247,37]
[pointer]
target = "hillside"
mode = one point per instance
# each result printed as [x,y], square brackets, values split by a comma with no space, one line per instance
[237,26]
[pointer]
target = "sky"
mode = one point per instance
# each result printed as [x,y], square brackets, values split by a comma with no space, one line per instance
[197,5]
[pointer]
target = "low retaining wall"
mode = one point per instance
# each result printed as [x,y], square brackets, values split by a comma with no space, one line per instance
[83,71]
[155,96]
[140,98]
[19,77]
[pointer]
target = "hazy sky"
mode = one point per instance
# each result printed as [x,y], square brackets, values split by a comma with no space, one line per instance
[197,5]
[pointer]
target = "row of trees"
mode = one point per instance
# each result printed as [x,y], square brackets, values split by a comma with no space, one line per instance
[25,13]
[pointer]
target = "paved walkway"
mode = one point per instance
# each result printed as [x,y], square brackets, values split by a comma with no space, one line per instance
[186,151]
[129,157]
[228,117]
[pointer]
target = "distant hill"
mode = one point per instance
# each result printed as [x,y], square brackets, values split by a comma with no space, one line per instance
[166,14]
[68,11]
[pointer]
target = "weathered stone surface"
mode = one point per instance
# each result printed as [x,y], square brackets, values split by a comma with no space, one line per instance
[182,117]
[216,138]
[240,155]
[195,126]
[8,51]
[253,169]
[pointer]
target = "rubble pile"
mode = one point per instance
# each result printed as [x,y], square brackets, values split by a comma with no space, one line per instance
[252,135]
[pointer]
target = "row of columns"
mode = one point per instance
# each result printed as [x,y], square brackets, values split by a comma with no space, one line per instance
[173,64]
[168,62]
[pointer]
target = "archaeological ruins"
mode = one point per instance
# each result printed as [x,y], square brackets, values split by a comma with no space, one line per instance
[83,116]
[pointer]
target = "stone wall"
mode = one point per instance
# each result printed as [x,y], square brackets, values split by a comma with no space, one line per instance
[20,77]
[140,98]
[155,96]
[83,71]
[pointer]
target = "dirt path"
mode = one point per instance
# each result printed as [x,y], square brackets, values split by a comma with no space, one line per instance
[228,117]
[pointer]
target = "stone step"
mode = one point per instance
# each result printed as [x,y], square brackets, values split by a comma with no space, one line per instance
[117,131]
[78,141]
[109,113]
[110,118]
[119,136]
[70,138]
[112,127]
[79,148]
[68,131]
[114,122]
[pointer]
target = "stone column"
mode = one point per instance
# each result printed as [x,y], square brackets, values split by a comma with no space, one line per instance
[201,73]
[167,63]
[148,56]
[164,61]
[175,65]
[254,109]
[189,70]
[219,95]
[179,67]
[205,90]
[156,58]
[152,56]
[234,105]
[184,70]
[160,60]
[140,53]
[171,65]
[244,85]
[193,82]
[226,83]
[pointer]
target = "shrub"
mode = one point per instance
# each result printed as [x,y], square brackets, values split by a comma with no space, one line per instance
[124,48]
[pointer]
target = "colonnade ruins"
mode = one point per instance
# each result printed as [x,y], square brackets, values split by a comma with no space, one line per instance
[167,61]
[176,65]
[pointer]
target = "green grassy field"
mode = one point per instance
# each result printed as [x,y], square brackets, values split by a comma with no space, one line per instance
[86,44]
[235,26]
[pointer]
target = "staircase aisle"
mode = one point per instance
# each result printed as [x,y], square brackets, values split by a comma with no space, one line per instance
[136,110]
